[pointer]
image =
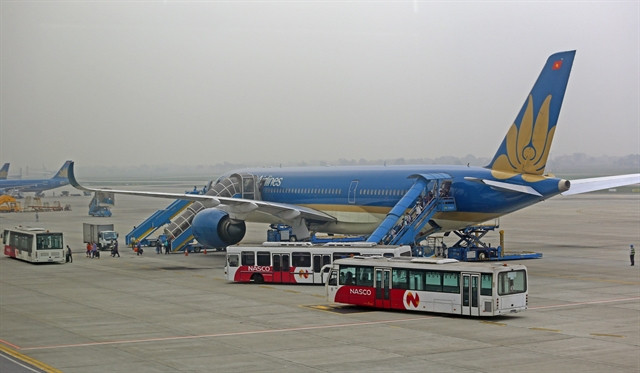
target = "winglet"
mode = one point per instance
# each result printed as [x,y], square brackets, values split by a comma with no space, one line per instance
[525,148]
[72,178]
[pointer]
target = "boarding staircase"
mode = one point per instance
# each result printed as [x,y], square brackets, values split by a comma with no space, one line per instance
[155,221]
[405,223]
[235,185]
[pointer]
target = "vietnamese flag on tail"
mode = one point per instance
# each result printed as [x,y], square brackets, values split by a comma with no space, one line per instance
[557,65]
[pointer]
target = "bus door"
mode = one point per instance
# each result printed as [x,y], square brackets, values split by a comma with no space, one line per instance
[281,268]
[319,261]
[470,293]
[383,276]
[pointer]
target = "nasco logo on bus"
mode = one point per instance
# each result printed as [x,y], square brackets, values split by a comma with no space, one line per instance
[259,269]
[360,291]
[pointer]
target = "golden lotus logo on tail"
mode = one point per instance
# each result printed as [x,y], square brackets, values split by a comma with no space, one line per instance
[527,145]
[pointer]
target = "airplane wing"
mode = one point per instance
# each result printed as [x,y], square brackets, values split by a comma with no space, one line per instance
[235,206]
[600,183]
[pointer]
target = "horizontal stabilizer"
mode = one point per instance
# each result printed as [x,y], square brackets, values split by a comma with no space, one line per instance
[600,183]
[506,186]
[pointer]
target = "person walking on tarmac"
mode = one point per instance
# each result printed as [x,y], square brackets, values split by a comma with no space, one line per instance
[114,250]
[69,258]
[158,246]
[167,248]
[632,254]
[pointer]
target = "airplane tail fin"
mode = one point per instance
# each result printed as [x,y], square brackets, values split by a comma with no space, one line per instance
[4,171]
[525,148]
[63,172]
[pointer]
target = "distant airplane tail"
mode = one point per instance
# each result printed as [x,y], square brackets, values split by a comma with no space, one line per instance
[525,148]
[4,171]
[63,172]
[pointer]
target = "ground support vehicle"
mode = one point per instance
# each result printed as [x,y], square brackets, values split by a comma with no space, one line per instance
[470,246]
[296,263]
[429,285]
[35,245]
[103,235]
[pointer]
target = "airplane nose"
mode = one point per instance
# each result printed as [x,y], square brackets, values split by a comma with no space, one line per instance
[564,185]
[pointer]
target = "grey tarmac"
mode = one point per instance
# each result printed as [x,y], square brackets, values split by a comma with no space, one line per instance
[176,313]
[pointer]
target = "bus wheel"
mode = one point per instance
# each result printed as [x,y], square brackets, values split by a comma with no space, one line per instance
[257,278]
[482,256]
[293,239]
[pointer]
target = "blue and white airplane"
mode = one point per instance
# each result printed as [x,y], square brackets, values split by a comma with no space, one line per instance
[390,202]
[37,185]
[4,171]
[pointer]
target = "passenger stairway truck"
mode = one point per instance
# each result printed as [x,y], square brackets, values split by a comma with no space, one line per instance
[100,204]
[405,223]
[155,221]
[181,238]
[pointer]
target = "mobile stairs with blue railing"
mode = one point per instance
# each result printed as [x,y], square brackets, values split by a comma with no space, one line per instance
[159,219]
[407,221]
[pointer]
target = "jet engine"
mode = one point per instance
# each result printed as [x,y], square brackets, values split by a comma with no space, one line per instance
[214,228]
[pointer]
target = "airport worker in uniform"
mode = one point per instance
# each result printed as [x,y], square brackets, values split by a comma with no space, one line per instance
[632,254]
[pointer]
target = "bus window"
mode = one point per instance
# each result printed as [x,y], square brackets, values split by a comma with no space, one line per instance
[485,283]
[233,260]
[317,260]
[433,281]
[416,279]
[399,279]
[347,275]
[264,258]
[512,282]
[365,276]
[49,241]
[320,261]
[333,278]
[248,258]
[451,282]
[301,259]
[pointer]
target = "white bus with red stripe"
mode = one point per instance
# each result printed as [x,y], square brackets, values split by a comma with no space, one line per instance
[35,245]
[429,285]
[296,262]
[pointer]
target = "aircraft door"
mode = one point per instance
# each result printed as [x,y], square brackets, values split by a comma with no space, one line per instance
[352,191]
[470,294]
[248,187]
[281,268]
[383,276]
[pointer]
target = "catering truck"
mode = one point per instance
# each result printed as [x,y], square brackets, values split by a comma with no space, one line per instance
[102,234]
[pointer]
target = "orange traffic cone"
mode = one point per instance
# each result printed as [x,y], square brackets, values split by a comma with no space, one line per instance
[186,252]
[204,251]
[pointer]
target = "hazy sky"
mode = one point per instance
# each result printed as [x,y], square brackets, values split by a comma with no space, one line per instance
[155,82]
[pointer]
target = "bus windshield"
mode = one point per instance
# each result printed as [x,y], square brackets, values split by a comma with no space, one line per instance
[512,282]
[48,241]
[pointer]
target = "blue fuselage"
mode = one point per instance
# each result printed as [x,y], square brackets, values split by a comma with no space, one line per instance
[365,194]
